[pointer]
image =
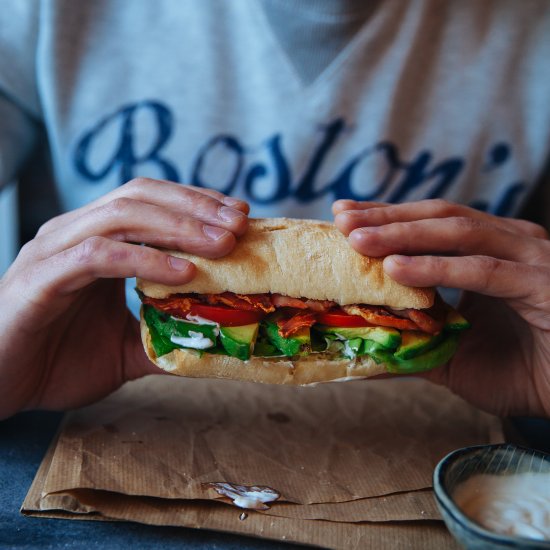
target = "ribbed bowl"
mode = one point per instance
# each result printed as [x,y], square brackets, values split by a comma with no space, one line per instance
[458,466]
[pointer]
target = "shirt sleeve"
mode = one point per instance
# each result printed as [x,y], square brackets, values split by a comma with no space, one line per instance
[20,112]
[17,136]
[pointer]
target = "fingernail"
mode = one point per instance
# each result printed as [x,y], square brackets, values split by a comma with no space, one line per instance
[230,201]
[341,205]
[400,260]
[214,233]
[178,264]
[230,214]
[366,230]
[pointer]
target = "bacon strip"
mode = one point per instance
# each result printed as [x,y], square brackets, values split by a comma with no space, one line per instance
[288,327]
[425,322]
[259,301]
[174,305]
[228,299]
[279,300]
[246,302]
[319,306]
[378,316]
[430,320]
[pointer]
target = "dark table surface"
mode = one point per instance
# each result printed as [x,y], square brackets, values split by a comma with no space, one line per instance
[23,443]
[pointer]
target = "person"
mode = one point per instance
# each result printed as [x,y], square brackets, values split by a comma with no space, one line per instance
[271,108]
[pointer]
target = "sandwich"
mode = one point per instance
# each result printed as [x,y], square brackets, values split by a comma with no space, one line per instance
[293,303]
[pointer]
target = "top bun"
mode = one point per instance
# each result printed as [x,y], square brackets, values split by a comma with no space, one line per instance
[298,258]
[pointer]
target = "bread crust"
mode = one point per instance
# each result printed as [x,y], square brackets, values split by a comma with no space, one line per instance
[312,369]
[298,258]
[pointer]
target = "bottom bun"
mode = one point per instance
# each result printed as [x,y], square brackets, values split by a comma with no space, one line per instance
[312,369]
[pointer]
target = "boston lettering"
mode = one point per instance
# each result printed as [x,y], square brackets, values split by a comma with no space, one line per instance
[254,168]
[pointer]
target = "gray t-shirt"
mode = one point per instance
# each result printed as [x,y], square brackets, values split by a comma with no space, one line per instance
[400,101]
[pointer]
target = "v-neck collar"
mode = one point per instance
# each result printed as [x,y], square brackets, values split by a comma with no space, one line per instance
[333,68]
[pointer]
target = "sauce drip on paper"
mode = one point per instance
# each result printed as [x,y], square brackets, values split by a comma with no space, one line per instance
[252,498]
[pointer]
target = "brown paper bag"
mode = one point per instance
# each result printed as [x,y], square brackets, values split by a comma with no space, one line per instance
[338,454]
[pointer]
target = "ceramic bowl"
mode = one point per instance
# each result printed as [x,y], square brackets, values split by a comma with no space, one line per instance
[458,466]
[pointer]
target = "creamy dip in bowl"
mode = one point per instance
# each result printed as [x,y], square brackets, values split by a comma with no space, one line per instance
[495,496]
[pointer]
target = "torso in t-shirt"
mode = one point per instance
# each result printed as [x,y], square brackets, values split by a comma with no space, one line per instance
[292,105]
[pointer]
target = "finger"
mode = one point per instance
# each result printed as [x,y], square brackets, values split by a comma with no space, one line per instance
[134,221]
[529,228]
[184,200]
[482,274]
[207,205]
[454,236]
[346,204]
[98,258]
[233,202]
[348,220]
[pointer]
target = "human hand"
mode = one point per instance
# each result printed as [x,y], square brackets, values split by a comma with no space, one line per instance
[67,336]
[503,362]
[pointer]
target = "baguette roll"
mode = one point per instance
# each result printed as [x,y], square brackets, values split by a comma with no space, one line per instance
[298,258]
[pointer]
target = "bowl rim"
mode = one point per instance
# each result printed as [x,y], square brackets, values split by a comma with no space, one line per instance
[444,499]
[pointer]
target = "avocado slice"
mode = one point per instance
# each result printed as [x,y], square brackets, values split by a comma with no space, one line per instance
[426,361]
[414,343]
[262,345]
[372,348]
[298,344]
[239,341]
[455,321]
[387,337]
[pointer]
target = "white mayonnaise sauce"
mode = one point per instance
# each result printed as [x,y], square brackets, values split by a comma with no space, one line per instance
[348,352]
[198,320]
[517,505]
[252,498]
[195,340]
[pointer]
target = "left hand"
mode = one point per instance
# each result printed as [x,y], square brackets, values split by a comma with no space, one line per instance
[503,362]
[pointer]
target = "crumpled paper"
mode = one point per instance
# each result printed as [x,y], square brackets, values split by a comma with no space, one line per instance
[350,460]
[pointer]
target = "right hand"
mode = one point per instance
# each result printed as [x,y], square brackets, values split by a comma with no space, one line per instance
[67,337]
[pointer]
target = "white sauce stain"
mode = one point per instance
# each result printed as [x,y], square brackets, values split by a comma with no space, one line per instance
[251,498]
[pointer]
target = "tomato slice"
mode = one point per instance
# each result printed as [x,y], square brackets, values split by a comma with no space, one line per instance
[226,316]
[341,319]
